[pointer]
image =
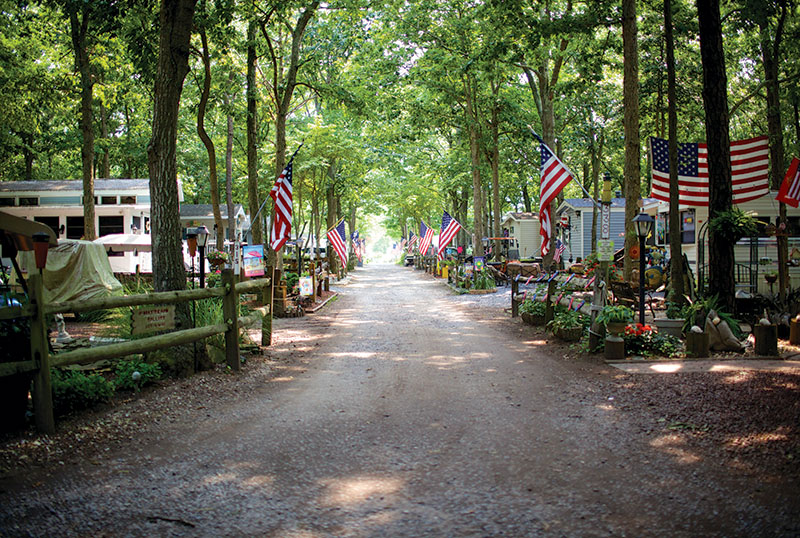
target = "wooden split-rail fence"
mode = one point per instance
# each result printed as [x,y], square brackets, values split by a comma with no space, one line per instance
[41,360]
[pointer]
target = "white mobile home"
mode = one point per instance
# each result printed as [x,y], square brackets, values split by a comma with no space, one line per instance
[524,227]
[576,230]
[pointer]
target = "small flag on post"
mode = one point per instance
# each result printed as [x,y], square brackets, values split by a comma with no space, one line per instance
[426,236]
[411,242]
[789,192]
[560,248]
[450,228]
[336,238]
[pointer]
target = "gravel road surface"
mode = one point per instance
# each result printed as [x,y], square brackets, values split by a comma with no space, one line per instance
[400,409]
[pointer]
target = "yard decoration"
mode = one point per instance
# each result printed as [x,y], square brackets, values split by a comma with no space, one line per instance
[720,335]
[615,318]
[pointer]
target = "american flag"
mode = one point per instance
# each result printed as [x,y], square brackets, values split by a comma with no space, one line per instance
[356,243]
[560,248]
[789,192]
[749,167]
[282,215]
[336,237]
[450,228]
[412,240]
[555,177]
[426,236]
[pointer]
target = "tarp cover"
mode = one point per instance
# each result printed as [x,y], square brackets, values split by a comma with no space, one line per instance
[75,270]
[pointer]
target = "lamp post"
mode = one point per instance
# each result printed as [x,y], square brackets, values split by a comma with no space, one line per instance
[41,242]
[644,224]
[202,240]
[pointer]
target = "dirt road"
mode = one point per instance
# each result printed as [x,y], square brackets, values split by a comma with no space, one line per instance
[409,416]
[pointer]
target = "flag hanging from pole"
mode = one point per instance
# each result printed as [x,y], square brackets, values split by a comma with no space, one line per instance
[336,238]
[411,242]
[749,171]
[560,248]
[554,177]
[450,228]
[281,193]
[426,236]
[789,192]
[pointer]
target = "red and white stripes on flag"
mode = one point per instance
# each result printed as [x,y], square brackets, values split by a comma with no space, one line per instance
[555,177]
[426,236]
[749,171]
[789,192]
[336,238]
[282,215]
[450,228]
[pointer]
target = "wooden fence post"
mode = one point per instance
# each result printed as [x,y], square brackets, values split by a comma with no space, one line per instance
[514,292]
[549,311]
[268,302]
[230,315]
[42,386]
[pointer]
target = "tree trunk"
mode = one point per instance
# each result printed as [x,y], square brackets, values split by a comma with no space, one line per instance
[475,160]
[676,275]
[770,52]
[173,64]
[720,196]
[632,180]
[105,167]
[252,136]
[229,166]
[207,142]
[27,152]
[598,141]
[78,31]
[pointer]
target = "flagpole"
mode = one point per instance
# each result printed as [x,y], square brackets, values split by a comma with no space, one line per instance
[572,175]
[335,225]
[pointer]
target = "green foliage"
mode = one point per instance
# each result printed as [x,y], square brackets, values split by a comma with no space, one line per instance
[568,319]
[643,340]
[134,374]
[732,225]
[73,390]
[291,279]
[482,281]
[615,314]
[533,307]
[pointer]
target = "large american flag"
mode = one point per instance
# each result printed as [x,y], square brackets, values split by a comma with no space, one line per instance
[336,238]
[282,215]
[426,236]
[555,177]
[749,167]
[450,228]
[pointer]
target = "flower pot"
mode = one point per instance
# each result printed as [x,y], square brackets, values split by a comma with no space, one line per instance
[569,334]
[670,326]
[532,319]
[616,328]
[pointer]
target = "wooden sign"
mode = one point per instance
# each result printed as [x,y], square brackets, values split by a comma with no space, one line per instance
[153,318]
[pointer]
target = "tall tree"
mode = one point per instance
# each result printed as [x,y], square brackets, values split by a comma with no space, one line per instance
[632,180]
[285,82]
[252,134]
[720,189]
[175,20]
[675,248]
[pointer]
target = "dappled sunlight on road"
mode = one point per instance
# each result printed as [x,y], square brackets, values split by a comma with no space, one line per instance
[347,491]
[676,447]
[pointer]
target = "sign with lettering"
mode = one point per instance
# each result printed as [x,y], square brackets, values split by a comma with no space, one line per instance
[153,318]
[605,221]
[605,250]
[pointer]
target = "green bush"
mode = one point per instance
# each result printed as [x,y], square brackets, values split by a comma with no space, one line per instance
[483,281]
[73,390]
[126,378]
[533,307]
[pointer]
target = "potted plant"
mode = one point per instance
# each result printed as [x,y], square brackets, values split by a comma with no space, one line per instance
[615,318]
[732,225]
[532,311]
[217,257]
[568,325]
[674,320]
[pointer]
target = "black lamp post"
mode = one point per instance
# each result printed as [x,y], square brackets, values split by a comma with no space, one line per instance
[644,224]
[202,240]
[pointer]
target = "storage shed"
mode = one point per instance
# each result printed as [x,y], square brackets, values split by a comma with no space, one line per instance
[576,213]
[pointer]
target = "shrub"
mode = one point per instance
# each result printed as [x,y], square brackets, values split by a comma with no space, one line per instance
[568,319]
[126,378]
[615,314]
[73,390]
[533,307]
